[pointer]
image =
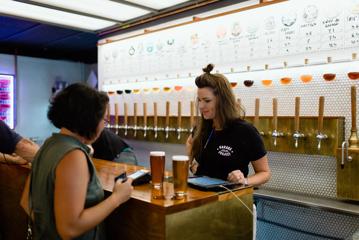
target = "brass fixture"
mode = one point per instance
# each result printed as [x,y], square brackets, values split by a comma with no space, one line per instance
[297,134]
[321,136]
[275,134]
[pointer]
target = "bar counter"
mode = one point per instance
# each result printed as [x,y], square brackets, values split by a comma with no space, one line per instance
[200,215]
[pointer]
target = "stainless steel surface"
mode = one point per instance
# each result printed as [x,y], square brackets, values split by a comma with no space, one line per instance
[312,202]
[284,220]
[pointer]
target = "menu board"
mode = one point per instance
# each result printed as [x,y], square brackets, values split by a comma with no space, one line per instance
[7,107]
[260,34]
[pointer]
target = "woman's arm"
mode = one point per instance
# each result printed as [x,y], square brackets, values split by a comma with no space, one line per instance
[12,159]
[72,177]
[26,149]
[261,173]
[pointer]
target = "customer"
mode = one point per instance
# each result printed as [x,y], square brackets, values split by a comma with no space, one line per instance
[65,196]
[224,144]
[110,146]
[14,148]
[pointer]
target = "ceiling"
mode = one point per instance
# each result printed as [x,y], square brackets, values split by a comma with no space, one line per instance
[39,35]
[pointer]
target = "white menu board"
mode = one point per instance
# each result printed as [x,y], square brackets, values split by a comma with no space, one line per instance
[275,31]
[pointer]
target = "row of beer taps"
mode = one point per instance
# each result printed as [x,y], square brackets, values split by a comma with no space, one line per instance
[297,134]
[155,128]
[167,129]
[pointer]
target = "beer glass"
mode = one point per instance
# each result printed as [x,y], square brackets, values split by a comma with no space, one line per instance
[180,166]
[157,162]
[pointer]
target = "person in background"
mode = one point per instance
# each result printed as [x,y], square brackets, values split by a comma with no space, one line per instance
[14,148]
[110,146]
[224,144]
[63,194]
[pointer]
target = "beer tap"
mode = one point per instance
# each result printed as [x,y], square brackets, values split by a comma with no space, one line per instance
[297,135]
[155,119]
[179,120]
[275,133]
[135,119]
[191,118]
[125,117]
[353,139]
[108,116]
[116,118]
[145,119]
[167,121]
[321,136]
[256,116]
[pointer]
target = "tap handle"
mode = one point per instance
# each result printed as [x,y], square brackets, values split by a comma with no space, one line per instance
[116,114]
[108,114]
[135,114]
[145,114]
[256,112]
[354,107]
[275,114]
[155,117]
[321,114]
[125,115]
[179,115]
[297,110]
[167,121]
[192,114]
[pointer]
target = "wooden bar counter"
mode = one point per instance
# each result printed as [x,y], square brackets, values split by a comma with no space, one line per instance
[201,215]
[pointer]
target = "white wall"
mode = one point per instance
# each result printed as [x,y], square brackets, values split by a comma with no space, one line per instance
[35,77]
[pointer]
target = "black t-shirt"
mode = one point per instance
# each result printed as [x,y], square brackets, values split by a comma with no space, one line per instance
[230,149]
[108,145]
[8,139]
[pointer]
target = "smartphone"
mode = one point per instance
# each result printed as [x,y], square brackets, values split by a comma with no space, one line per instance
[138,174]
[139,177]
[122,176]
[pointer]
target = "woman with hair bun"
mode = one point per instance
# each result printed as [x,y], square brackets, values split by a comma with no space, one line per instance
[223,143]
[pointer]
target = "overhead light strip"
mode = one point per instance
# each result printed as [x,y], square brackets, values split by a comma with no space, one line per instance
[51,16]
[102,8]
[156,4]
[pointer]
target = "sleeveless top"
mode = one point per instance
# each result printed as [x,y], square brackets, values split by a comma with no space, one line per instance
[42,186]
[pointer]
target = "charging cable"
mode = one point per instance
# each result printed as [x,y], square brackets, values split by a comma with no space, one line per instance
[249,210]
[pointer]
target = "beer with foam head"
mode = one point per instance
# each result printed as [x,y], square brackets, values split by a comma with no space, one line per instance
[180,166]
[157,162]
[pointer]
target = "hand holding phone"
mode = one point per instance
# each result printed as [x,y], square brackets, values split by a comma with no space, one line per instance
[139,177]
[122,176]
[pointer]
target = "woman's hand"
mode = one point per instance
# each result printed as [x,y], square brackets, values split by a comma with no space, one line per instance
[194,165]
[236,176]
[122,191]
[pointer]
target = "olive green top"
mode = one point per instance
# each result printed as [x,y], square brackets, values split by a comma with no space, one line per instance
[42,186]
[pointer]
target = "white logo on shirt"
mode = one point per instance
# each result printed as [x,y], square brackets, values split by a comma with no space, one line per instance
[224,150]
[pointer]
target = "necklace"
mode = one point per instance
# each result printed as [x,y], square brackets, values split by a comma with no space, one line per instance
[209,138]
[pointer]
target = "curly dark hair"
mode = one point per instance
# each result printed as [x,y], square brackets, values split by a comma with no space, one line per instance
[79,108]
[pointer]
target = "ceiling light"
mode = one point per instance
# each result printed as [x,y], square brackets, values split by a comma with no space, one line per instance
[102,8]
[51,16]
[156,4]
